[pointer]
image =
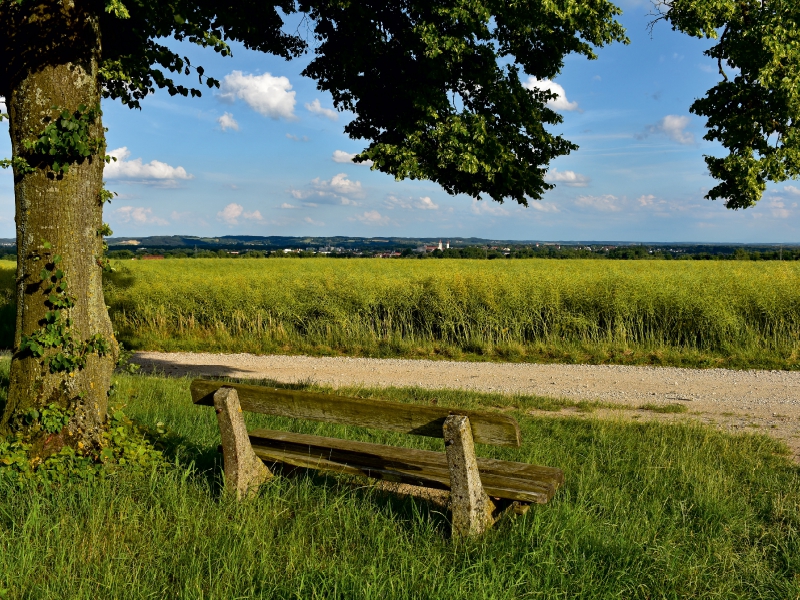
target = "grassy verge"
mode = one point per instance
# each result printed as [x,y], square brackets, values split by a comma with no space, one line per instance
[682,313]
[649,510]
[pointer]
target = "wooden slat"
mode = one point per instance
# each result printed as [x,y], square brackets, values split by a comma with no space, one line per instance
[501,479]
[487,428]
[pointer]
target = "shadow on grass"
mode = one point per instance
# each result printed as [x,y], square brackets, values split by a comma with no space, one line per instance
[206,463]
[404,507]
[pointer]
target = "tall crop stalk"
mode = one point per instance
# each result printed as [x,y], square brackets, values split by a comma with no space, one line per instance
[458,306]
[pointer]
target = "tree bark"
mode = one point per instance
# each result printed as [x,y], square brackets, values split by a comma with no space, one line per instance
[58,43]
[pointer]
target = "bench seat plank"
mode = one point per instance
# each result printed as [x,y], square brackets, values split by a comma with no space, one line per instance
[500,479]
[487,427]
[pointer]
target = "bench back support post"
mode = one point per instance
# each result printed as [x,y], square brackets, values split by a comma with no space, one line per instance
[244,471]
[471,508]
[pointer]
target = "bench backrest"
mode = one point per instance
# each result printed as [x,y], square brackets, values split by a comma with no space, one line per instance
[487,428]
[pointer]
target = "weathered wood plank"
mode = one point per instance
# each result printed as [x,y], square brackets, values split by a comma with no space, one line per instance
[500,479]
[487,428]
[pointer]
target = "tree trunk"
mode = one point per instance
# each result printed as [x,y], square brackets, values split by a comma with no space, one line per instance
[58,214]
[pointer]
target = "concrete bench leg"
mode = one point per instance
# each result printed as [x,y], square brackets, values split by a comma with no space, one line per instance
[471,508]
[244,471]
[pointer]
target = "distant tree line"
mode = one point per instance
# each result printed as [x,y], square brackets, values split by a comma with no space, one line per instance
[478,252]
[619,253]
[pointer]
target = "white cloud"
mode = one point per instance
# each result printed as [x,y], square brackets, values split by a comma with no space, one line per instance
[544,206]
[559,103]
[487,208]
[316,108]
[311,221]
[569,178]
[421,203]
[265,94]
[233,212]
[652,202]
[154,172]
[648,200]
[138,215]
[778,209]
[339,184]
[372,217]
[340,156]
[425,203]
[288,206]
[605,203]
[295,138]
[339,188]
[673,126]
[226,121]
[2,104]
[792,190]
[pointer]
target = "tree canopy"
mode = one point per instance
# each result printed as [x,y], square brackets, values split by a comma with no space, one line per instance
[754,110]
[435,86]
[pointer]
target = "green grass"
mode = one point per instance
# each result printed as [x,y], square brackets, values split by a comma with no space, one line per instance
[649,510]
[735,314]
[665,408]
[683,313]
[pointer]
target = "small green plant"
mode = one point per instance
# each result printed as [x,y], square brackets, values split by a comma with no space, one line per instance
[124,363]
[123,444]
[106,195]
[50,419]
[102,261]
[18,163]
[66,138]
[664,408]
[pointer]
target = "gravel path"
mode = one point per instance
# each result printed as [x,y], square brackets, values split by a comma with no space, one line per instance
[733,400]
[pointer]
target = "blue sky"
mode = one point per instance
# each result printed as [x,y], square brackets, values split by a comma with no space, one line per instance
[265,155]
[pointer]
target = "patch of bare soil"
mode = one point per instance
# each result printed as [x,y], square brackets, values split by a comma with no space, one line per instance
[736,401]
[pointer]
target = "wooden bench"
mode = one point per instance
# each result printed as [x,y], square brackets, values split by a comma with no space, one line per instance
[481,489]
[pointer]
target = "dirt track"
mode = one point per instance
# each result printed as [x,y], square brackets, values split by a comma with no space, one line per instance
[767,401]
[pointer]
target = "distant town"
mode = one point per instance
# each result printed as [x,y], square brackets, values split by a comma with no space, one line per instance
[420,248]
[169,247]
